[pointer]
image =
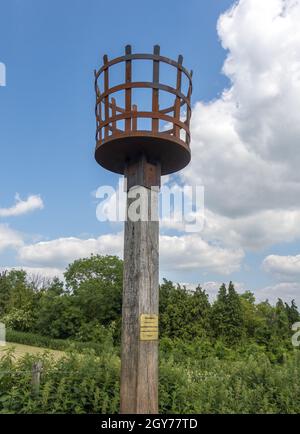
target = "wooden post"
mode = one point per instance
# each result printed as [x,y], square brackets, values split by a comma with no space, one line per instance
[36,377]
[139,360]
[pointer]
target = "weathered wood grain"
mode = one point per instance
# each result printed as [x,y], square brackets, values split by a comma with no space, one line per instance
[139,359]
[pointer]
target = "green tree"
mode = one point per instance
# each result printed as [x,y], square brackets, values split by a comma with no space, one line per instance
[96,286]
[292,312]
[5,288]
[58,316]
[281,320]
[183,314]
[108,269]
[219,314]
[265,329]
[17,306]
[172,310]
[21,294]
[251,318]
[234,314]
[227,314]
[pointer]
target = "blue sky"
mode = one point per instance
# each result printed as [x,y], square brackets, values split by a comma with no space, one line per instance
[47,127]
[47,117]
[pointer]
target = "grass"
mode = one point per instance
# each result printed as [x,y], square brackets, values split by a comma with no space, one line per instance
[20,350]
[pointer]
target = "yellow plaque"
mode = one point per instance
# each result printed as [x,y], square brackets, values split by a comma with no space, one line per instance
[148,327]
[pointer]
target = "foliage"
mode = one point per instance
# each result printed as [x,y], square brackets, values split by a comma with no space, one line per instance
[183,314]
[227,315]
[72,384]
[230,355]
[108,269]
[90,384]
[89,303]
[240,386]
[19,319]
[57,316]
[16,300]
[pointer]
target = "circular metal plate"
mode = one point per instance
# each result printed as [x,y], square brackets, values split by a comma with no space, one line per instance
[173,154]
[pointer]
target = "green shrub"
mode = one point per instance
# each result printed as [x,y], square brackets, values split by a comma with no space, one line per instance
[246,386]
[86,383]
[72,384]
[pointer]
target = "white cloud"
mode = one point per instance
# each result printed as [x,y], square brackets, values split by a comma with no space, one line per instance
[287,291]
[283,267]
[32,203]
[43,272]
[9,238]
[191,252]
[60,252]
[186,252]
[286,269]
[253,231]
[245,144]
[250,232]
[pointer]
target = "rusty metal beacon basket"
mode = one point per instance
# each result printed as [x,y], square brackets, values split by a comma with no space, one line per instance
[119,136]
